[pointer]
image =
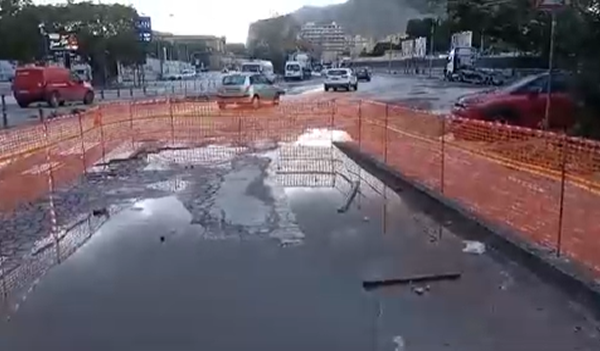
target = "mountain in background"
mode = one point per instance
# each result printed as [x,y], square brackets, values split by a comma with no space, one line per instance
[369,18]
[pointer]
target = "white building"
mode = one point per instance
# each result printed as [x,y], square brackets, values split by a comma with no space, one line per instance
[328,38]
[358,44]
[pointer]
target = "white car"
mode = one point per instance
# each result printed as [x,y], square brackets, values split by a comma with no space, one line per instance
[337,78]
[188,74]
[185,74]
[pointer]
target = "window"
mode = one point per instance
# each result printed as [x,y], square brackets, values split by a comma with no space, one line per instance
[74,77]
[337,72]
[560,83]
[259,79]
[236,79]
[251,68]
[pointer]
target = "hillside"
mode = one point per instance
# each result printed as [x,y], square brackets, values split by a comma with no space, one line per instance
[371,18]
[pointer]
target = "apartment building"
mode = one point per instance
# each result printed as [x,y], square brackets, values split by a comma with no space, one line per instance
[358,44]
[329,38]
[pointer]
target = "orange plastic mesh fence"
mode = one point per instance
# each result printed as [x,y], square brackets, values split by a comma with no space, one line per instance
[511,176]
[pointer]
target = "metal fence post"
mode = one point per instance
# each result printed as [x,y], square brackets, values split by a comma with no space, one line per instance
[563,181]
[102,143]
[131,92]
[102,94]
[443,155]
[4,116]
[385,134]
[118,92]
[53,218]
[359,124]
[83,158]
[4,286]
[131,130]
[41,115]
[172,122]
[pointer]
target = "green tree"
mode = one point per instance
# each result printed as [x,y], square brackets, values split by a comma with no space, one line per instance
[105,33]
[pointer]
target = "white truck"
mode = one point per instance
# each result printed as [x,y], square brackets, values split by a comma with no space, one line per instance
[461,67]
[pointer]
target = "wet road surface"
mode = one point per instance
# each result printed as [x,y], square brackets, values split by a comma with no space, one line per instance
[244,248]
[417,92]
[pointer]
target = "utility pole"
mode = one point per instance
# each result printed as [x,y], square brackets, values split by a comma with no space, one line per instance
[390,57]
[550,67]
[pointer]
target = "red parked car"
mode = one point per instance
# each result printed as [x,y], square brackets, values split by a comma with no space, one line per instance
[522,103]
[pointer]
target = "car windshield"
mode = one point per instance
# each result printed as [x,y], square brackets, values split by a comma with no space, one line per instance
[337,72]
[293,67]
[236,79]
[519,84]
[254,68]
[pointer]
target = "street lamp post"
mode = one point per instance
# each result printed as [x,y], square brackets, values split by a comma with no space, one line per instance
[431,46]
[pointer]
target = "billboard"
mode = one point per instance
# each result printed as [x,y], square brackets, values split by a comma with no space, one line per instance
[420,47]
[461,39]
[408,48]
[62,42]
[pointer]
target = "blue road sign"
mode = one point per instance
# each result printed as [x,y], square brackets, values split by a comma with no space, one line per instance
[143,24]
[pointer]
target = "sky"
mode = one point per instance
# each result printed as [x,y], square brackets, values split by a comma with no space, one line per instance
[229,18]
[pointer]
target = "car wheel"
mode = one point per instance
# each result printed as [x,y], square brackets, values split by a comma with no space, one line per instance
[255,102]
[276,100]
[355,87]
[326,88]
[222,105]
[88,98]
[22,104]
[54,99]
[335,89]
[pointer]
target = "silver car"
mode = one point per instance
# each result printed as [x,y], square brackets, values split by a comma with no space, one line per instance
[247,89]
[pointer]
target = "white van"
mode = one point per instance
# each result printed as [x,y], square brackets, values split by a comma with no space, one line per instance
[259,66]
[296,70]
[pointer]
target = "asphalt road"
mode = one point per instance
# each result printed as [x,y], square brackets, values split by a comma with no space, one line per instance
[204,84]
[414,91]
[420,92]
[247,250]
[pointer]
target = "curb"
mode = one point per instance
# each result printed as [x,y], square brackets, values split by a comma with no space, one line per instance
[568,277]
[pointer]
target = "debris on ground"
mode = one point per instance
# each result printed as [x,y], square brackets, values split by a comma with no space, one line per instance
[374,284]
[100,212]
[350,198]
[418,290]
[399,341]
[474,247]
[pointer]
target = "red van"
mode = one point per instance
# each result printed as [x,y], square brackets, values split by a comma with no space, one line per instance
[54,85]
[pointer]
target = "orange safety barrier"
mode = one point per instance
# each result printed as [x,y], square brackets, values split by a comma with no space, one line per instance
[542,185]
